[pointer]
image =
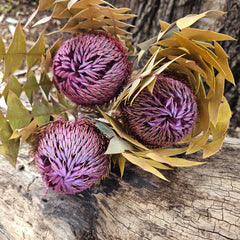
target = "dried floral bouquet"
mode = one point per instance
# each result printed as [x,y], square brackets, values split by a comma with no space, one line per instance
[88,106]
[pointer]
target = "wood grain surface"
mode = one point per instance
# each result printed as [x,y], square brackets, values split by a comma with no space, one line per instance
[201,202]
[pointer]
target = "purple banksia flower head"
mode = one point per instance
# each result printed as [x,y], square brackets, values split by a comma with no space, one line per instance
[164,117]
[70,155]
[92,68]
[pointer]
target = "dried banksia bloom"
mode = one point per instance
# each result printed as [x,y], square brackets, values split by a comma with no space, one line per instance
[163,117]
[70,155]
[92,68]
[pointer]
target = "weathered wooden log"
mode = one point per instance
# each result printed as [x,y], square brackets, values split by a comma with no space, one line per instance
[201,202]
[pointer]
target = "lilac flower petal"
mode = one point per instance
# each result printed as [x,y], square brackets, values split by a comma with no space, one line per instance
[70,156]
[164,117]
[96,62]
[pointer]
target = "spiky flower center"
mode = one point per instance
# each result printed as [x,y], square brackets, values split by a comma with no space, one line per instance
[164,117]
[70,155]
[92,68]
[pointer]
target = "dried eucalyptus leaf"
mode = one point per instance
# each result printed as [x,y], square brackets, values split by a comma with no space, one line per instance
[115,30]
[10,151]
[196,50]
[64,102]
[84,3]
[57,108]
[166,65]
[147,69]
[70,3]
[118,145]
[206,54]
[12,85]
[164,25]
[26,132]
[42,21]
[223,119]
[55,47]
[215,99]
[90,15]
[143,164]
[2,49]
[158,165]
[30,86]
[45,83]
[144,83]
[147,80]
[144,46]
[205,35]
[15,53]
[119,16]
[213,147]
[116,23]
[169,42]
[91,24]
[32,16]
[61,11]
[192,18]
[45,4]
[134,86]
[46,62]
[151,85]
[5,129]
[42,110]
[89,12]
[165,151]
[17,115]
[197,143]
[172,161]
[168,32]
[8,148]
[223,61]
[105,129]
[121,162]
[34,55]
[15,135]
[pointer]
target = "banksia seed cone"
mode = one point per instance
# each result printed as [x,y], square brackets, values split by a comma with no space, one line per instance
[70,156]
[91,69]
[164,117]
